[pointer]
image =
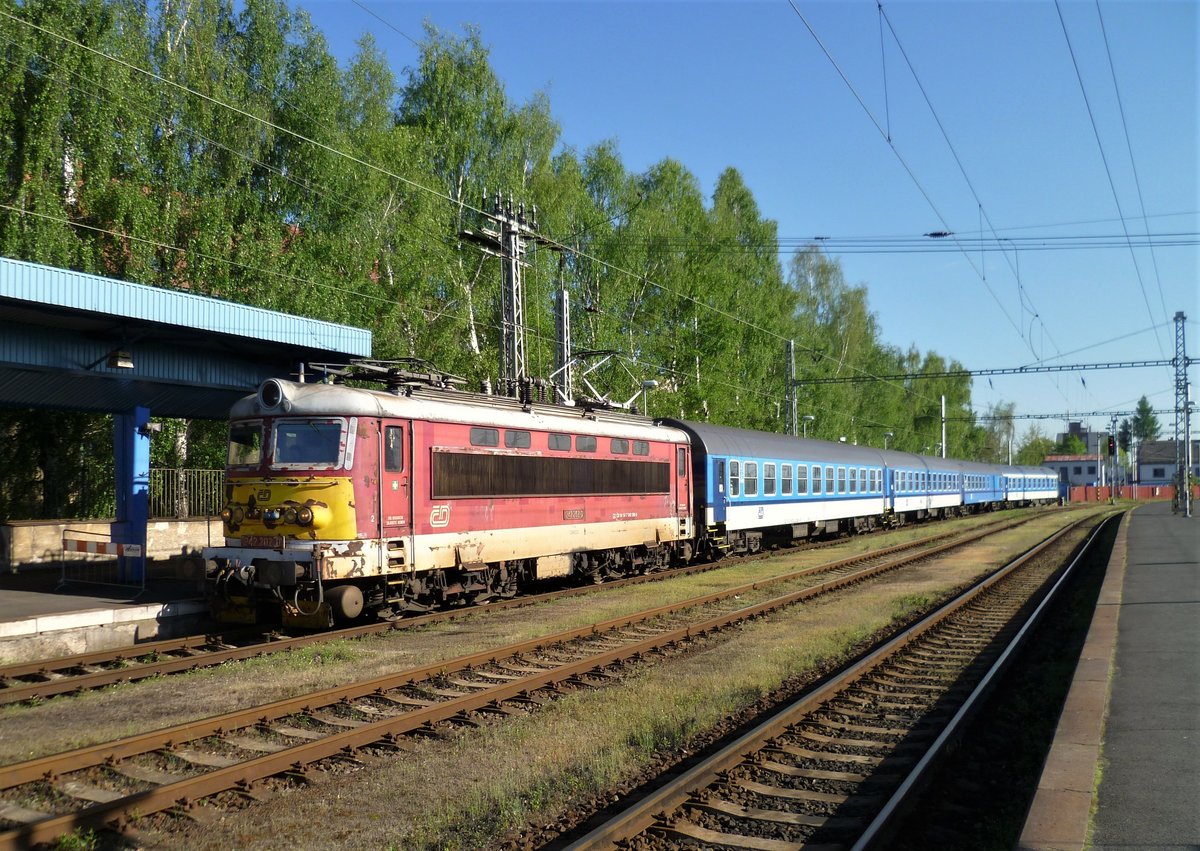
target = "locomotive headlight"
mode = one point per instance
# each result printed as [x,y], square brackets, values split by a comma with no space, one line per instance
[289,515]
[226,514]
[239,514]
[304,516]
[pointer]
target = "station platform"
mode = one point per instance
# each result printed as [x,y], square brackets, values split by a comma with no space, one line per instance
[1124,769]
[40,616]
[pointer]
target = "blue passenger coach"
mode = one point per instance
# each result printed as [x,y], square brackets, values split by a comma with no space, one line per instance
[754,483]
[754,486]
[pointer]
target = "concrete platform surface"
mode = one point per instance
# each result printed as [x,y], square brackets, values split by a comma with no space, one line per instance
[40,616]
[1126,757]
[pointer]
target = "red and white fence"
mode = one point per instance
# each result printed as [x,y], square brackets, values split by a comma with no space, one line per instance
[113,564]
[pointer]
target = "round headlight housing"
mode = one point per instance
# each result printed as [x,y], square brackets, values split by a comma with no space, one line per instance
[270,394]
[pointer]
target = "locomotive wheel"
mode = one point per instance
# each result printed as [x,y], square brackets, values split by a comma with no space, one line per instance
[346,601]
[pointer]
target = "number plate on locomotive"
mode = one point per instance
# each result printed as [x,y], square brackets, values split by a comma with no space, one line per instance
[263,542]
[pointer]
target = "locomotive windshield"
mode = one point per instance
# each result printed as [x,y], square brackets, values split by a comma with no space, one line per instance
[245,444]
[310,443]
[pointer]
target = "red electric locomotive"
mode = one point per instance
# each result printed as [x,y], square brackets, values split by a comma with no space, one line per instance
[341,500]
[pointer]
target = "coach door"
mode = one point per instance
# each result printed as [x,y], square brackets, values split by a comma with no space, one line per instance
[719,498]
[395,500]
[683,481]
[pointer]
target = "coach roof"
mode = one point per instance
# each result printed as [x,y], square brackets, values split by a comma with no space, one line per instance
[742,443]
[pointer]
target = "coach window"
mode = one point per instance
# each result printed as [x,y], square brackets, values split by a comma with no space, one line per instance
[841,480]
[829,479]
[516,439]
[801,479]
[393,449]
[559,442]
[853,481]
[768,480]
[618,446]
[787,480]
[734,481]
[641,447]
[585,443]
[816,480]
[750,479]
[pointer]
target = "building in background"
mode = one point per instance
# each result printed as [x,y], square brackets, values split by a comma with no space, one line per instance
[1076,470]
[1095,441]
[1156,462]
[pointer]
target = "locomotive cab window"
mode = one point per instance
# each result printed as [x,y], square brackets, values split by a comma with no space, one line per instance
[393,449]
[313,443]
[245,444]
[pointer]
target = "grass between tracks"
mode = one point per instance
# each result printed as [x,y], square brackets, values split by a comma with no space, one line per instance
[62,723]
[480,787]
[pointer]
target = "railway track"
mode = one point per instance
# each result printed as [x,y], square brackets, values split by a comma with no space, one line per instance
[179,768]
[833,768]
[45,678]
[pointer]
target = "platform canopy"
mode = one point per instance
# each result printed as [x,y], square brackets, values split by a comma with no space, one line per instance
[71,341]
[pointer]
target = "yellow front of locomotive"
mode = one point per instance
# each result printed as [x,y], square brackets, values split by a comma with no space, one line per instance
[291,521]
[289,479]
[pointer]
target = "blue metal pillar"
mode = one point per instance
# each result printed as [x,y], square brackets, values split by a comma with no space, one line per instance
[131,450]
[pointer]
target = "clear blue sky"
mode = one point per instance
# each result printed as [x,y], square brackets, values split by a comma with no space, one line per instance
[744,84]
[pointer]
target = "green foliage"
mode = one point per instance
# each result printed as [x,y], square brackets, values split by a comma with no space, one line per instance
[1034,448]
[80,839]
[1144,425]
[1071,444]
[340,193]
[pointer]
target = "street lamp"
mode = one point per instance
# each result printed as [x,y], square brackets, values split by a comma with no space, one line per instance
[806,419]
[887,435]
[648,384]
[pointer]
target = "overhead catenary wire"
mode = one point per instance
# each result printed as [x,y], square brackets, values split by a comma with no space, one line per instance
[947,230]
[330,149]
[1107,169]
[841,363]
[1137,182]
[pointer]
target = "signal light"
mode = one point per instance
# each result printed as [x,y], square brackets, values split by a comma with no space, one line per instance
[1112,445]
